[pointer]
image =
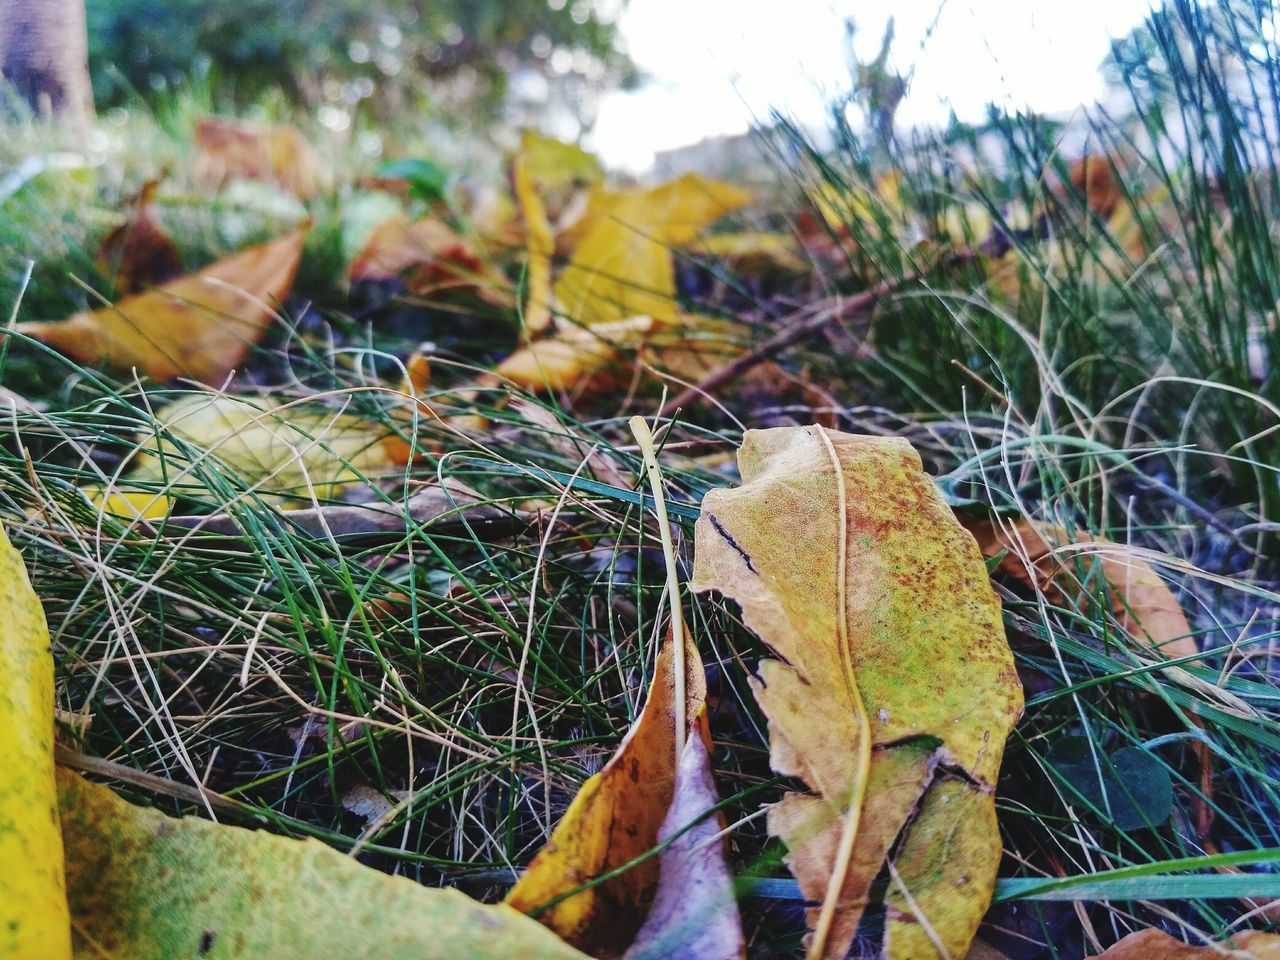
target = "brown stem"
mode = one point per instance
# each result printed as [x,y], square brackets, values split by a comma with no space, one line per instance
[804,323]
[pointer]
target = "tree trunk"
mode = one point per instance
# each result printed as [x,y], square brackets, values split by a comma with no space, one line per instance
[44,56]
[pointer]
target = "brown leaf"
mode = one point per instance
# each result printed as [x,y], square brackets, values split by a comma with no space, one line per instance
[1040,555]
[895,688]
[614,819]
[694,914]
[139,253]
[430,257]
[1157,945]
[199,326]
[450,505]
[229,149]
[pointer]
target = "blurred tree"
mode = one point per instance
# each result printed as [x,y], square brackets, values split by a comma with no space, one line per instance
[42,55]
[391,53]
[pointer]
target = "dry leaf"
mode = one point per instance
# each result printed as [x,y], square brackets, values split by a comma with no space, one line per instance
[695,913]
[562,361]
[263,444]
[227,149]
[451,505]
[560,171]
[895,689]
[615,818]
[143,886]
[430,256]
[755,252]
[1143,602]
[200,325]
[139,253]
[34,924]
[128,503]
[1158,945]
[541,247]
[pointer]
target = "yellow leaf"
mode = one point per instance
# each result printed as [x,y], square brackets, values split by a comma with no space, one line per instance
[200,325]
[34,924]
[614,818]
[893,664]
[755,252]
[274,448]
[556,165]
[541,246]
[129,504]
[143,886]
[621,267]
[563,361]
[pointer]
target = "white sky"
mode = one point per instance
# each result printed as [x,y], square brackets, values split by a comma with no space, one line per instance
[717,64]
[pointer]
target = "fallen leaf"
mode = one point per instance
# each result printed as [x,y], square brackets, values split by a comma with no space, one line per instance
[615,818]
[430,256]
[1095,179]
[1157,945]
[559,170]
[144,886]
[575,353]
[200,325]
[227,149]
[755,252]
[139,253]
[451,505]
[263,444]
[128,503]
[541,246]
[622,267]
[34,924]
[1040,555]
[695,913]
[895,689]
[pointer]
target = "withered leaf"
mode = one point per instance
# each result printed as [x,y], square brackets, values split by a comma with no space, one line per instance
[143,886]
[1157,945]
[614,819]
[694,914]
[895,689]
[200,325]
[139,253]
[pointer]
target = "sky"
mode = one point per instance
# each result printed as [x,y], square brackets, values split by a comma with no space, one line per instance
[718,64]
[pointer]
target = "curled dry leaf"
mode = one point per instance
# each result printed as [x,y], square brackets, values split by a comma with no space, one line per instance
[143,886]
[895,689]
[34,924]
[441,507]
[229,149]
[694,914]
[1158,945]
[614,818]
[1034,556]
[430,256]
[139,253]
[199,326]
[275,448]
[574,354]
[541,246]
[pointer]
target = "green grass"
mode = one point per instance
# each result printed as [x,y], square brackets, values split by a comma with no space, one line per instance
[474,680]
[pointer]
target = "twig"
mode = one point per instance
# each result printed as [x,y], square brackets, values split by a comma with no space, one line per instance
[804,323]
